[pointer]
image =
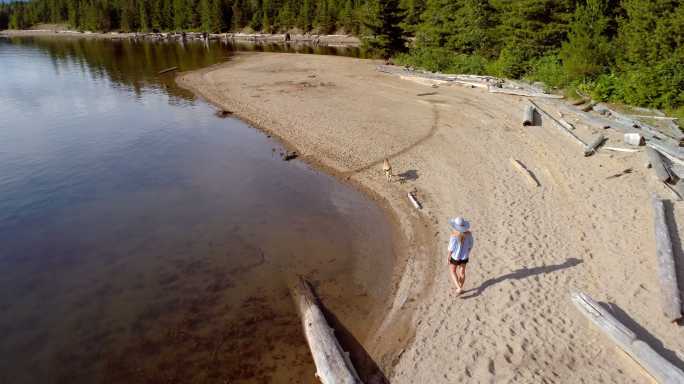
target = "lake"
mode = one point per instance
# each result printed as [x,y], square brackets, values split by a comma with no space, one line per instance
[143,239]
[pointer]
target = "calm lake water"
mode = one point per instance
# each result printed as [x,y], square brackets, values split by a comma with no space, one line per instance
[145,240]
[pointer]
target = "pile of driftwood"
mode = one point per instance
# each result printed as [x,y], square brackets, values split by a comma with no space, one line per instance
[492,84]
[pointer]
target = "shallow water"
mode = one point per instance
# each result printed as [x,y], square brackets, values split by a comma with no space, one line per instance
[144,239]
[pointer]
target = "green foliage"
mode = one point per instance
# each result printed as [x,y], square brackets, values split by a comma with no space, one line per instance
[630,51]
[587,52]
[549,70]
[384,35]
[443,60]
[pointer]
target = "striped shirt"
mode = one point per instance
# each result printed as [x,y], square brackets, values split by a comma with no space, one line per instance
[459,251]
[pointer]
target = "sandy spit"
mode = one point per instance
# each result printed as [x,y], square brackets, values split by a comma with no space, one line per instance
[588,226]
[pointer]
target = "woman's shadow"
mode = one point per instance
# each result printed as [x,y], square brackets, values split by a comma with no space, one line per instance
[519,274]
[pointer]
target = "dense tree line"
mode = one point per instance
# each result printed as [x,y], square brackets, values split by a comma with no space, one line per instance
[323,16]
[624,50]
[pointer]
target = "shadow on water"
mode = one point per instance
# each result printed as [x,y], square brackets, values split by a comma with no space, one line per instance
[644,335]
[520,274]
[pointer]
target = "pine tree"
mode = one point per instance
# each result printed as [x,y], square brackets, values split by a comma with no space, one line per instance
[156,11]
[143,15]
[587,51]
[266,19]
[73,13]
[384,36]
[180,14]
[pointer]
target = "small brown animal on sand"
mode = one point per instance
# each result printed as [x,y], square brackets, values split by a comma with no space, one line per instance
[387,168]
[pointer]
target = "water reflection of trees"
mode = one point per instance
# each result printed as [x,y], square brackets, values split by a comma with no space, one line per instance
[135,65]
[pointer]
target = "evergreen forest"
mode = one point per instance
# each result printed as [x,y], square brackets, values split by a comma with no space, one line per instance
[629,51]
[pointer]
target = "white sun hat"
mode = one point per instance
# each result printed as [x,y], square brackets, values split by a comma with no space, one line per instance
[460,224]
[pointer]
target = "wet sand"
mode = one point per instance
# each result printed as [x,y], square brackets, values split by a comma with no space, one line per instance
[583,228]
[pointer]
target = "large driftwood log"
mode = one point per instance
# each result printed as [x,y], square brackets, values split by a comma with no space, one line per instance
[658,367]
[591,148]
[163,71]
[672,306]
[559,124]
[332,363]
[673,154]
[587,119]
[631,121]
[658,165]
[519,92]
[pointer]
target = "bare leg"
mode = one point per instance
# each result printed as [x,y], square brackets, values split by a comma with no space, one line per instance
[460,274]
[454,276]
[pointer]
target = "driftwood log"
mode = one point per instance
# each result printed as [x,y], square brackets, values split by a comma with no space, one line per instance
[163,71]
[414,200]
[591,148]
[587,119]
[667,273]
[589,106]
[619,149]
[528,116]
[519,92]
[657,366]
[332,362]
[559,124]
[673,154]
[658,165]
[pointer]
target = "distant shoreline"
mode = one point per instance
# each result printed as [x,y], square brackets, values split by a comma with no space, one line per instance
[312,39]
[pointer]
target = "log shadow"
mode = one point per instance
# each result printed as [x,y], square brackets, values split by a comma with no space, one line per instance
[644,335]
[410,175]
[677,250]
[536,118]
[520,274]
[366,367]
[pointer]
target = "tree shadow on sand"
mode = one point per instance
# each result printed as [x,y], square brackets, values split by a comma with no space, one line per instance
[520,274]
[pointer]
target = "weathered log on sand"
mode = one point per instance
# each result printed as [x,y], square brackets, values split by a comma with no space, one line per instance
[589,106]
[558,123]
[655,365]
[673,154]
[528,116]
[630,121]
[414,201]
[566,124]
[658,165]
[163,71]
[519,92]
[520,167]
[591,148]
[672,305]
[618,149]
[332,363]
[594,122]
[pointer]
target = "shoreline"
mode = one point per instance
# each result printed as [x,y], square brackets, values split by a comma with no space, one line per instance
[405,227]
[234,37]
[580,229]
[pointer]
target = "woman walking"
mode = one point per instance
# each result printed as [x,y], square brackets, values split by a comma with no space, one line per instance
[460,244]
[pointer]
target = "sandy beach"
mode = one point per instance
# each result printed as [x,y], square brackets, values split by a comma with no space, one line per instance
[588,226]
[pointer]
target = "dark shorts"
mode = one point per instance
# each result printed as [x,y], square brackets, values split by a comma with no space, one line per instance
[458,262]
